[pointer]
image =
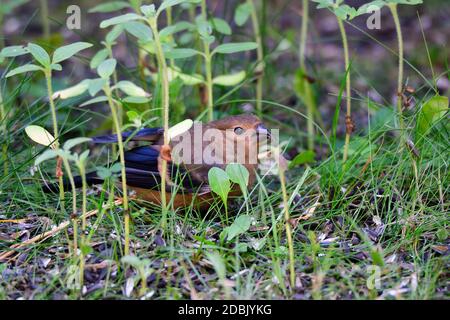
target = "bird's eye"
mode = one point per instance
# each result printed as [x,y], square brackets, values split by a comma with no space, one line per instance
[238,130]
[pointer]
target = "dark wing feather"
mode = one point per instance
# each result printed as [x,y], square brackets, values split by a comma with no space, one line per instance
[141,165]
[147,134]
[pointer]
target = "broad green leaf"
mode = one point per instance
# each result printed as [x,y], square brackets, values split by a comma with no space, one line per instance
[180,128]
[170,3]
[84,155]
[235,47]
[221,26]
[131,89]
[13,51]
[364,9]
[218,264]
[139,30]
[99,58]
[230,79]
[191,80]
[115,32]
[46,155]
[148,10]
[107,68]
[40,135]
[407,2]
[345,12]
[116,167]
[64,53]
[239,226]
[204,28]
[219,182]
[23,69]
[133,115]
[69,144]
[242,13]
[39,54]
[96,85]
[56,67]
[120,19]
[110,7]
[177,27]
[432,110]
[73,91]
[302,158]
[136,100]
[94,100]
[238,174]
[103,173]
[180,53]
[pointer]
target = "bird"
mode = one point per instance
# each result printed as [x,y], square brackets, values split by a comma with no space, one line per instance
[190,155]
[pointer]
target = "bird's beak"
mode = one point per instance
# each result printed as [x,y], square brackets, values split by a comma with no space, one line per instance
[262,131]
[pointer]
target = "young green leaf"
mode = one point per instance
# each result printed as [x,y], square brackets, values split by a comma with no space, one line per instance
[239,226]
[107,68]
[69,144]
[219,182]
[191,80]
[56,67]
[136,100]
[115,32]
[40,135]
[221,26]
[238,174]
[13,51]
[170,3]
[23,69]
[120,19]
[131,89]
[94,100]
[139,30]
[302,158]
[74,91]
[180,53]
[177,27]
[110,7]
[39,54]
[242,13]
[180,128]
[99,58]
[432,110]
[230,79]
[148,10]
[96,85]
[46,155]
[103,173]
[83,156]
[64,53]
[228,48]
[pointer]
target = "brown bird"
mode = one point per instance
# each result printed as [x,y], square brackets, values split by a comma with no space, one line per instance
[190,155]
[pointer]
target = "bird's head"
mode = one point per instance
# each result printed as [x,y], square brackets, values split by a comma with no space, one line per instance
[231,139]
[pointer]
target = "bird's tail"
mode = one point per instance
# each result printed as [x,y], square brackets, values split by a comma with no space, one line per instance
[91,178]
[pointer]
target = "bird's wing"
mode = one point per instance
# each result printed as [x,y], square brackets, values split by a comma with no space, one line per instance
[147,134]
[141,165]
